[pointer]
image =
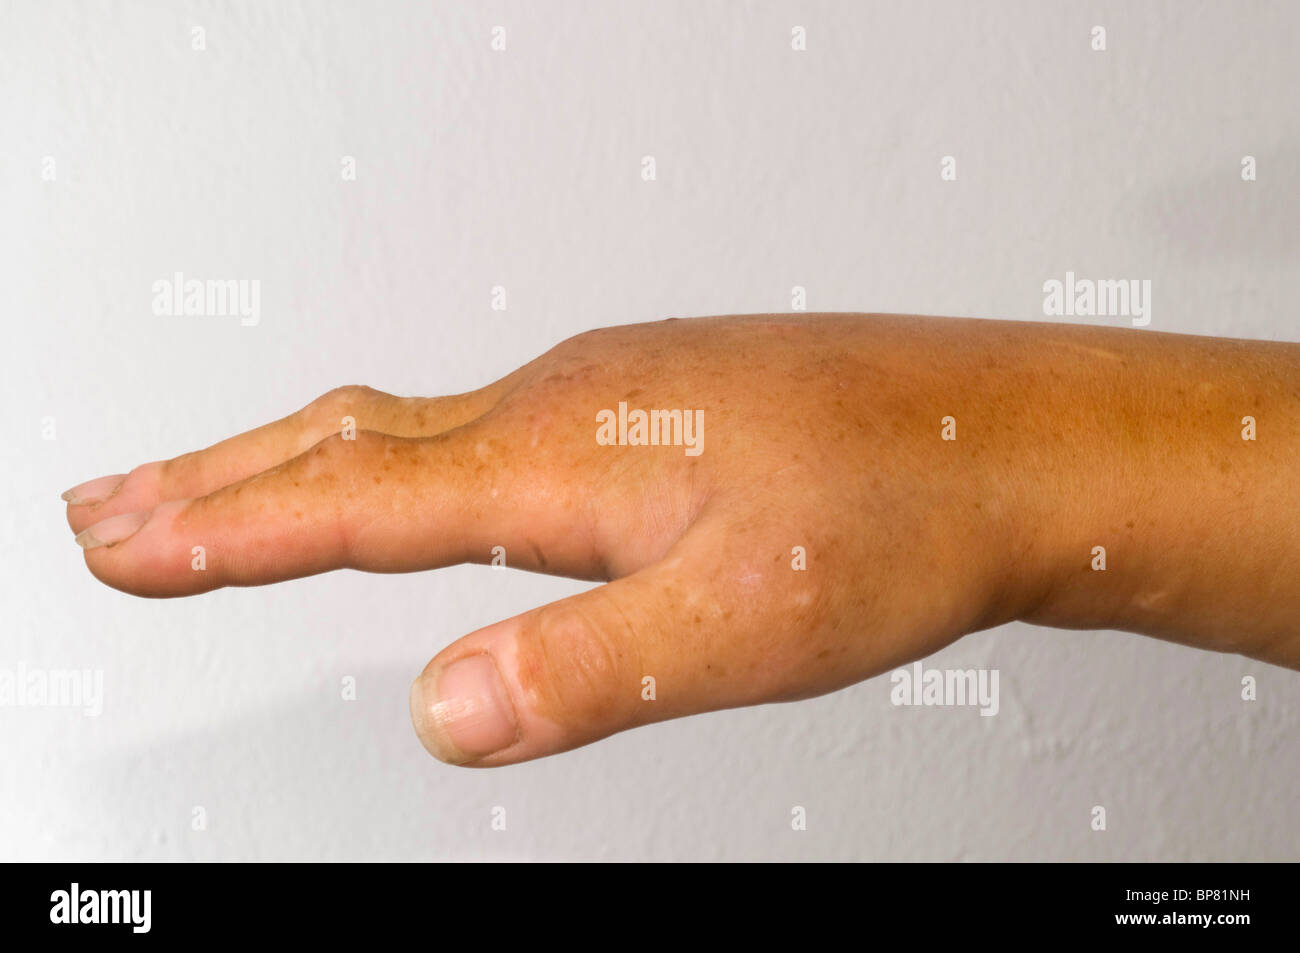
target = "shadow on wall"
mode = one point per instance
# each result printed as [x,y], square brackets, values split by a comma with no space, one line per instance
[317,777]
[320,778]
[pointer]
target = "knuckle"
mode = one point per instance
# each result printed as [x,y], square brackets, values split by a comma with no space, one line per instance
[319,462]
[351,393]
[589,336]
[331,474]
[170,473]
[329,465]
[338,451]
[576,671]
[581,343]
[327,411]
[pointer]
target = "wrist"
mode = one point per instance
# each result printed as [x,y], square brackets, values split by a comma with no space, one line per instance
[1169,513]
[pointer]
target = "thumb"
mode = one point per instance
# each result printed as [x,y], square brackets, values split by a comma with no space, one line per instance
[642,648]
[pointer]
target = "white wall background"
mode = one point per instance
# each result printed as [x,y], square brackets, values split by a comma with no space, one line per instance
[521,168]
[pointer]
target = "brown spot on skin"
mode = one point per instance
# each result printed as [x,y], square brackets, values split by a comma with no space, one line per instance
[823,653]
[1129,524]
[378,478]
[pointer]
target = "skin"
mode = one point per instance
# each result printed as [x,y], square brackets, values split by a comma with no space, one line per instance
[822,432]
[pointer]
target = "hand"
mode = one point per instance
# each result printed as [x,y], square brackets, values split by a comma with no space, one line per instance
[812,527]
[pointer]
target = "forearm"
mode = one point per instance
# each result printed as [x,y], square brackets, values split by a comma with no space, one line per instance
[1136,444]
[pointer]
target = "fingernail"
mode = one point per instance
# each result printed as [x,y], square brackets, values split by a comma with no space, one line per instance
[112,530]
[463,712]
[94,491]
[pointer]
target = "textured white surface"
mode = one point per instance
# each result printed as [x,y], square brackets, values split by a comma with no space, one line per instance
[521,168]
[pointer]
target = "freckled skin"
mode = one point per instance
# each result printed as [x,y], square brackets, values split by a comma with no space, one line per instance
[820,431]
